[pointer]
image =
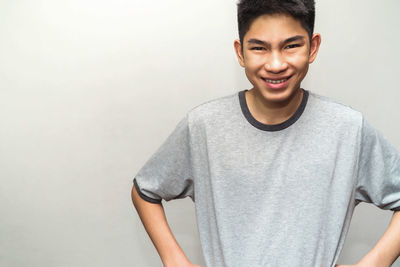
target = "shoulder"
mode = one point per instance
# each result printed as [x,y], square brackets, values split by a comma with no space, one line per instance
[333,110]
[214,108]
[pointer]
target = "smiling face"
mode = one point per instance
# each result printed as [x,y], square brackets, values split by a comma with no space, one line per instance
[276,54]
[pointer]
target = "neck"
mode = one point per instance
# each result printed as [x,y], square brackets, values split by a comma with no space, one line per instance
[272,112]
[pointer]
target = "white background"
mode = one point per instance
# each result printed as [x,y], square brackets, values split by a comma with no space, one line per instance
[90,89]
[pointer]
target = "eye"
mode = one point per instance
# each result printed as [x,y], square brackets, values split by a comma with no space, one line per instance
[257,48]
[292,46]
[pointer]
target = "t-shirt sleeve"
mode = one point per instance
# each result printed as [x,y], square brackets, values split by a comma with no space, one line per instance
[378,177]
[168,174]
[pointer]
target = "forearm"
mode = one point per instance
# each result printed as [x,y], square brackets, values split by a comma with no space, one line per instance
[154,221]
[387,250]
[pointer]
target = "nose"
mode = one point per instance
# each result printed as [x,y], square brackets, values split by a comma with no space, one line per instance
[276,63]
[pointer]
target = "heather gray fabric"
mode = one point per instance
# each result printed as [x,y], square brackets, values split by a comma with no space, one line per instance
[273,195]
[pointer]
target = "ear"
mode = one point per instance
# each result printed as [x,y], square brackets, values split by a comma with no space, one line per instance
[315,43]
[238,50]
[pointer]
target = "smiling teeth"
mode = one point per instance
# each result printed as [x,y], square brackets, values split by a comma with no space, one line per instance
[275,81]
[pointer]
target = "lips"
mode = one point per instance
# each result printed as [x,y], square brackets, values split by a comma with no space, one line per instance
[276,80]
[277,83]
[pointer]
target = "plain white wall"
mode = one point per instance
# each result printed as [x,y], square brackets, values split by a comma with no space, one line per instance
[90,89]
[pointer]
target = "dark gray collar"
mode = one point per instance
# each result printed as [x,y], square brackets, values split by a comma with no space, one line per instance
[272,127]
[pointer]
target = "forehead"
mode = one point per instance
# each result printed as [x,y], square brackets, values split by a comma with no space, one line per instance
[275,28]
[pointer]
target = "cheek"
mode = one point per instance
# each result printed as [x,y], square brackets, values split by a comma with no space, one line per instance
[250,76]
[254,61]
[298,61]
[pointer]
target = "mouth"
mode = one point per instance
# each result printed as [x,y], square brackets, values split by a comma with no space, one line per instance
[276,81]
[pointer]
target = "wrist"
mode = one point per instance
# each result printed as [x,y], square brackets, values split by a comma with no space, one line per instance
[176,261]
[372,260]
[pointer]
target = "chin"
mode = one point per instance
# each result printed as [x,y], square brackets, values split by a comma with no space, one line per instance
[275,95]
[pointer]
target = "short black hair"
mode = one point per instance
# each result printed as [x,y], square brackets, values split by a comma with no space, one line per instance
[249,10]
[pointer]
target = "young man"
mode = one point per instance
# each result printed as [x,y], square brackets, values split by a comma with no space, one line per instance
[275,171]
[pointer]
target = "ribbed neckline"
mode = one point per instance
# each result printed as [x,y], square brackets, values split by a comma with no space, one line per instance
[272,127]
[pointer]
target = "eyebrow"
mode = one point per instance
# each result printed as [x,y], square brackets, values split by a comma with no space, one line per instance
[288,40]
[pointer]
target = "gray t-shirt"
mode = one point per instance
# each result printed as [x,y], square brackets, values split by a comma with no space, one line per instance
[273,195]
